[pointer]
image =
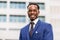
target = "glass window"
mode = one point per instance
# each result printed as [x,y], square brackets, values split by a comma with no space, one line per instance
[41,5]
[17,18]
[18,5]
[3,4]
[2,18]
[42,18]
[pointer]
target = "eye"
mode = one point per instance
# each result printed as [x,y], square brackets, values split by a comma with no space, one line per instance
[32,10]
[29,10]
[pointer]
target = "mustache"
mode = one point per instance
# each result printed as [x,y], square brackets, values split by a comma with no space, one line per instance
[31,14]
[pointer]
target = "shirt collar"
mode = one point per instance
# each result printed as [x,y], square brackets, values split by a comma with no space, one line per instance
[35,21]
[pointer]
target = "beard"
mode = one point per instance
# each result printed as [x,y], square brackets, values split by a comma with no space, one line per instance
[32,17]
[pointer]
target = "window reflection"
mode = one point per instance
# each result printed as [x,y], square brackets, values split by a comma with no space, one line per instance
[42,5]
[17,18]
[20,5]
[2,18]
[42,18]
[3,4]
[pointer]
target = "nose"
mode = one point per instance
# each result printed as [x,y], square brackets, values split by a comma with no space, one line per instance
[32,12]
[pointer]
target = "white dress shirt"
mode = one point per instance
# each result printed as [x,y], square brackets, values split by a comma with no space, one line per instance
[35,21]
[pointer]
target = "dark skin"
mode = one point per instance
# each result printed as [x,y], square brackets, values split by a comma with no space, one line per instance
[33,12]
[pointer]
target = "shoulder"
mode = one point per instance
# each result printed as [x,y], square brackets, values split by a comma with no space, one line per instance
[25,27]
[44,24]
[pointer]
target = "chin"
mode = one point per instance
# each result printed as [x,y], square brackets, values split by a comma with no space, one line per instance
[32,19]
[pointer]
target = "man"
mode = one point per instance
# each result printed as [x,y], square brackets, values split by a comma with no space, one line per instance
[36,29]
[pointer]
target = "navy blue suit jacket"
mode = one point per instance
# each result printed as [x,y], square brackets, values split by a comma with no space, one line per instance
[42,31]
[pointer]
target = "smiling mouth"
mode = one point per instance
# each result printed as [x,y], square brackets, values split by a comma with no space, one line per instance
[32,16]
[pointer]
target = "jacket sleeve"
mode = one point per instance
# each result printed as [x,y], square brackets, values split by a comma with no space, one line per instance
[48,34]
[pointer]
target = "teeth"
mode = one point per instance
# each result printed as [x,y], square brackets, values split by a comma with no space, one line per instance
[32,15]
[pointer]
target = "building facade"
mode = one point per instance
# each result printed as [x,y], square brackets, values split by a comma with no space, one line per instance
[13,14]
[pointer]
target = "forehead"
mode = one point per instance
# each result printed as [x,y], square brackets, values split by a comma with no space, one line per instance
[32,7]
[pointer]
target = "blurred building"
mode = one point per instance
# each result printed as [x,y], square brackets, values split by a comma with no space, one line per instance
[13,16]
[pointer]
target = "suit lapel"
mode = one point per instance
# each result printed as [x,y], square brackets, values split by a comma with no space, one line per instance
[27,31]
[36,26]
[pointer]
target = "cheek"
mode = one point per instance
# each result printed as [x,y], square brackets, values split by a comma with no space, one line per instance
[29,14]
[36,14]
